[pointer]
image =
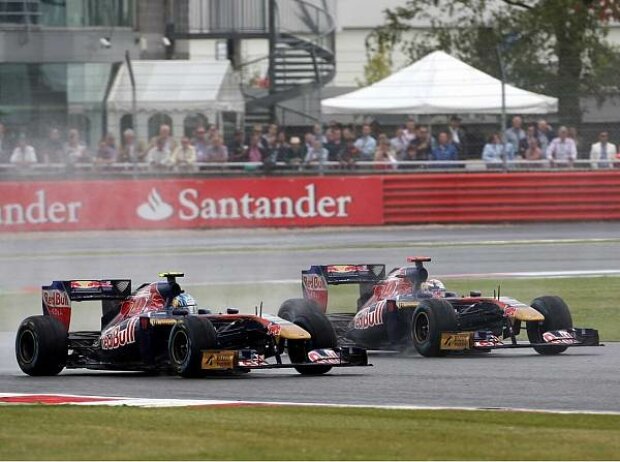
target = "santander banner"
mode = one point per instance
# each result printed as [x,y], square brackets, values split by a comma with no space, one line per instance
[184,203]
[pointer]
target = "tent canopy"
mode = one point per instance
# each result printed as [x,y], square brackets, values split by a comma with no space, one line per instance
[177,85]
[438,84]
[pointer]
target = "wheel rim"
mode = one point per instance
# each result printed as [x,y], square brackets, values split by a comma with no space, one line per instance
[180,347]
[27,346]
[421,327]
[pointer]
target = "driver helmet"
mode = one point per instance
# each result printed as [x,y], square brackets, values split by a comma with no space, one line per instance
[185,301]
[435,287]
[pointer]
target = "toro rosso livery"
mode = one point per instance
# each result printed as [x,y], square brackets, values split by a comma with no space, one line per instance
[407,308]
[159,328]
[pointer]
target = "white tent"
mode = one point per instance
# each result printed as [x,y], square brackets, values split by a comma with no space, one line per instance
[438,84]
[177,88]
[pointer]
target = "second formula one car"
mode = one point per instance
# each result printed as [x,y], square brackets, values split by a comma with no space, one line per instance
[406,308]
[159,327]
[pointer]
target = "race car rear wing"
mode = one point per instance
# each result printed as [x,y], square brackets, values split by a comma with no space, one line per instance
[316,280]
[56,298]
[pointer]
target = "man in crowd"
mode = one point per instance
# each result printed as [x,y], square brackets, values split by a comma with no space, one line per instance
[24,154]
[410,132]
[603,152]
[75,150]
[445,150]
[366,144]
[132,151]
[399,143]
[335,144]
[107,152]
[544,133]
[295,154]
[165,137]
[158,156]
[562,150]
[201,143]
[515,134]
[423,144]
[237,149]
[317,155]
[495,151]
[217,151]
[458,136]
[52,151]
[184,157]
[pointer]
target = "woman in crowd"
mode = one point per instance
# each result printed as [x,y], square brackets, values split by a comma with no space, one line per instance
[385,153]
[496,151]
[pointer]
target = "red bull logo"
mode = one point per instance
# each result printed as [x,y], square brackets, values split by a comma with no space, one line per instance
[369,317]
[119,336]
[346,268]
[55,298]
[91,285]
[314,282]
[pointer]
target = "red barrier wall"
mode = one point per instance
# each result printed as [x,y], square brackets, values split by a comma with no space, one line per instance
[495,197]
[183,203]
[309,201]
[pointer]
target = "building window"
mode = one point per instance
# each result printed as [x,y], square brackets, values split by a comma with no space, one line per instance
[156,121]
[192,122]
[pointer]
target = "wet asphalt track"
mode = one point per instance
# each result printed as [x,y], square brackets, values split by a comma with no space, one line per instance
[582,379]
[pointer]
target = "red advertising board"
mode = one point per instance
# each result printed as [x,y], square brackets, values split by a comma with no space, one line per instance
[185,203]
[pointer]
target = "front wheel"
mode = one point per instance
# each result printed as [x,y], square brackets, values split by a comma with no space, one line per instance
[41,346]
[307,315]
[557,316]
[429,320]
[187,339]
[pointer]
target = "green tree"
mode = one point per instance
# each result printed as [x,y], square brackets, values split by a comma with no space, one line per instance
[556,47]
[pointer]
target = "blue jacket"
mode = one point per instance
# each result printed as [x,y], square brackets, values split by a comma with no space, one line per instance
[446,152]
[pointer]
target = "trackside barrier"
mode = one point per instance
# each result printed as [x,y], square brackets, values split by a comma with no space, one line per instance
[501,197]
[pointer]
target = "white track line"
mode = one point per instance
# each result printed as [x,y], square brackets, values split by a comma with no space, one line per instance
[150,403]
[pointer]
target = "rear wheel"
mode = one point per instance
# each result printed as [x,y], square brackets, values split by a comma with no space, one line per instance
[429,320]
[307,315]
[557,316]
[41,346]
[187,339]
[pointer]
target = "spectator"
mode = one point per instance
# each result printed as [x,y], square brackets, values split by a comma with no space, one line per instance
[423,144]
[603,152]
[385,153]
[272,133]
[458,136]
[107,152]
[201,143]
[445,150]
[23,154]
[410,133]
[256,151]
[572,134]
[158,156]
[75,151]
[335,144]
[237,149]
[184,157]
[530,134]
[350,153]
[366,144]
[317,131]
[317,155]
[562,150]
[169,143]
[545,134]
[294,155]
[217,151]
[515,134]
[131,150]
[495,151]
[282,147]
[533,151]
[53,152]
[399,143]
[308,141]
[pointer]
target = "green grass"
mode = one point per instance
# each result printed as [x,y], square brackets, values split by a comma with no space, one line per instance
[293,433]
[593,300]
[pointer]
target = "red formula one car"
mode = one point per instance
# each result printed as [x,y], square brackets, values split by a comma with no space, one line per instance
[407,308]
[158,327]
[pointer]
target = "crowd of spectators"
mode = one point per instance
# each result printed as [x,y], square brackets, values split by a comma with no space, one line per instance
[342,145]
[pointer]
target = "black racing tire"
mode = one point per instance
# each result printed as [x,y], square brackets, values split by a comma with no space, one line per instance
[188,338]
[557,316]
[41,346]
[429,320]
[307,315]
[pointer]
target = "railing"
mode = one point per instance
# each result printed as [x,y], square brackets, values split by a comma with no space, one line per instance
[10,171]
[221,16]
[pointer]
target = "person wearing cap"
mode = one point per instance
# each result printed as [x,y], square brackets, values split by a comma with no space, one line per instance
[295,154]
[23,154]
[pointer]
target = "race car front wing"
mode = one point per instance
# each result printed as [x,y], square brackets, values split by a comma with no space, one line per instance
[218,360]
[486,340]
